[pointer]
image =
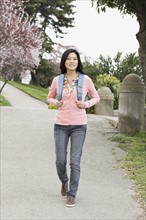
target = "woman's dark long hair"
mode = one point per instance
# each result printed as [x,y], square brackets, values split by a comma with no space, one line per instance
[64,57]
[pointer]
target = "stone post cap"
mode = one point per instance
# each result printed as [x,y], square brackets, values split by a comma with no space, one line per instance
[105,93]
[132,83]
[132,78]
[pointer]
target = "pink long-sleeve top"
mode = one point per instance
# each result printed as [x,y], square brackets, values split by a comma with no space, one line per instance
[69,113]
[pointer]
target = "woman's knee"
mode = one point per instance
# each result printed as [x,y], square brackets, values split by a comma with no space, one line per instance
[75,166]
[61,163]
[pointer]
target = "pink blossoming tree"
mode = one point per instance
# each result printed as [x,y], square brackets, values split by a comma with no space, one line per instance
[20,40]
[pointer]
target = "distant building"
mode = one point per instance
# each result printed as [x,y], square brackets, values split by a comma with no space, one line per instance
[26,77]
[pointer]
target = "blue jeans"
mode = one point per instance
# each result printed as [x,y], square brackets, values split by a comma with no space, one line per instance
[77,134]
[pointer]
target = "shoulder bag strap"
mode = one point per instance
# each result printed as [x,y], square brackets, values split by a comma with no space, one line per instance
[80,86]
[60,86]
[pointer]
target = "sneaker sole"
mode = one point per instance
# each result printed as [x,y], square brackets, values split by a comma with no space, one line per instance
[70,206]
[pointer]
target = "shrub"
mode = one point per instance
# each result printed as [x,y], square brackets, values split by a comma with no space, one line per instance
[111,82]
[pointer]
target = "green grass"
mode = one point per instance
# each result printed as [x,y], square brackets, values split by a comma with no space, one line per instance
[4,101]
[34,91]
[134,163]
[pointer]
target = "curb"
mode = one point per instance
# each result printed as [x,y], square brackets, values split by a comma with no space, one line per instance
[112,120]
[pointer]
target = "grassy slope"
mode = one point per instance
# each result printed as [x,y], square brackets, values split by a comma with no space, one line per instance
[34,91]
[134,163]
[4,101]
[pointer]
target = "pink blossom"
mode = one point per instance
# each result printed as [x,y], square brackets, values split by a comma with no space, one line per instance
[20,40]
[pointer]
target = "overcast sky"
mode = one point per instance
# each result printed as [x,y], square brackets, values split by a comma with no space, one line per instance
[104,33]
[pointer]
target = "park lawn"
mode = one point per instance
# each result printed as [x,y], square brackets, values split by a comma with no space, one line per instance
[4,101]
[32,90]
[134,162]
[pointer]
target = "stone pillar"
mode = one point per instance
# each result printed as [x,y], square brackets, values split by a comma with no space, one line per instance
[131,104]
[105,106]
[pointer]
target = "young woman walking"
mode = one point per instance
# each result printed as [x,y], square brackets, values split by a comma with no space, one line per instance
[71,120]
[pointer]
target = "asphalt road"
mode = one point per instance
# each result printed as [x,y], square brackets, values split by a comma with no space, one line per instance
[30,189]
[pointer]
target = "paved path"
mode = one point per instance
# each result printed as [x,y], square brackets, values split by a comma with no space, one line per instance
[30,189]
[19,99]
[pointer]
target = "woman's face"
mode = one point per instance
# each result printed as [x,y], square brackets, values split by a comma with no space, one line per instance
[71,62]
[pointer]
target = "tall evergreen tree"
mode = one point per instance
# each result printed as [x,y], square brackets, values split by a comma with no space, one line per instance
[53,14]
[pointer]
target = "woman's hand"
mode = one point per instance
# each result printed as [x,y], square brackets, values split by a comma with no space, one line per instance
[59,104]
[80,104]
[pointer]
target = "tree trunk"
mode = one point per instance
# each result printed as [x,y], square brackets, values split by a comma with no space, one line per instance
[141,37]
[3,86]
[34,79]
